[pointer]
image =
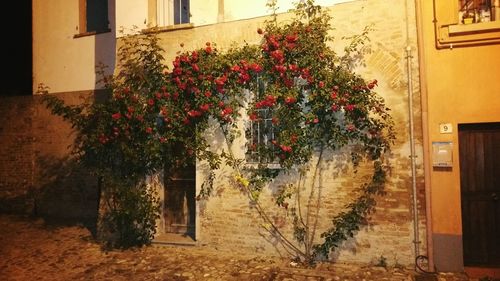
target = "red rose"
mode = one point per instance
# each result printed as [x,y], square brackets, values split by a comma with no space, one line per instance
[228,110]
[277,55]
[290,100]
[291,38]
[116,116]
[349,107]
[194,113]
[204,107]
[286,148]
[103,139]
[253,116]
[293,67]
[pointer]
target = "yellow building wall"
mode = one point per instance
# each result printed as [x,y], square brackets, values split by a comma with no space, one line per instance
[462,86]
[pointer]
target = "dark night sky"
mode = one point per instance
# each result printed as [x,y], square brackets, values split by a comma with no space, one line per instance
[17,50]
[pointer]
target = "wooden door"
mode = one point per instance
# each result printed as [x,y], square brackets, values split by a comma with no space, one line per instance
[180,204]
[479,149]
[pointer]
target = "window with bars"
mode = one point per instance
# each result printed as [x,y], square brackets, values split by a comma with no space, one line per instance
[261,130]
[260,135]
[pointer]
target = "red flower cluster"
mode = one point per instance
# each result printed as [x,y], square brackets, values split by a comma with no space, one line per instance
[269,101]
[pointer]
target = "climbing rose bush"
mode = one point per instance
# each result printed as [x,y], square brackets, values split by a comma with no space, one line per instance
[319,107]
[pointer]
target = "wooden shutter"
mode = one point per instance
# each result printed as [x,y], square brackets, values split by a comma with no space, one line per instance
[446,11]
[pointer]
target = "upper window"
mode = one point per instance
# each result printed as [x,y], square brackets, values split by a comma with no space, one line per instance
[462,23]
[172,12]
[94,16]
[476,11]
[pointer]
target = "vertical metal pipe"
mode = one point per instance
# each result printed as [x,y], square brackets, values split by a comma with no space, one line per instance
[416,240]
[416,235]
[425,133]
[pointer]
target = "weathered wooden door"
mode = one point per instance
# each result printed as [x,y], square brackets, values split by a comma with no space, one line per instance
[180,204]
[479,146]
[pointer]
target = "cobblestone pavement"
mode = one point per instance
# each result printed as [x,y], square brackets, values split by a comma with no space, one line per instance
[30,250]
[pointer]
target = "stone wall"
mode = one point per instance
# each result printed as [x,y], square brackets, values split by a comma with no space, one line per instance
[226,221]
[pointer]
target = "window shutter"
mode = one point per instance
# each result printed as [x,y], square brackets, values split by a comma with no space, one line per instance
[97,15]
[446,12]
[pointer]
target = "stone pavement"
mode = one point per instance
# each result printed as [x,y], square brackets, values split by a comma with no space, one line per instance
[31,250]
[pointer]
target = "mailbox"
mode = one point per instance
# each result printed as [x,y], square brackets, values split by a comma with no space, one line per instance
[442,154]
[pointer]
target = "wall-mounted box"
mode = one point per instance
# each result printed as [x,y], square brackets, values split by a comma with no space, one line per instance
[442,154]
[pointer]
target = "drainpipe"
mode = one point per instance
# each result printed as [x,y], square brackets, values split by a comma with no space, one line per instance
[425,136]
[416,240]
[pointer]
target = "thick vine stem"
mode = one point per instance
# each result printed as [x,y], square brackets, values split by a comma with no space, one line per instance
[283,240]
[318,202]
[309,239]
[299,208]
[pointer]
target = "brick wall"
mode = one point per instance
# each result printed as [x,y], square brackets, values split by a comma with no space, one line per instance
[16,154]
[226,221]
[37,173]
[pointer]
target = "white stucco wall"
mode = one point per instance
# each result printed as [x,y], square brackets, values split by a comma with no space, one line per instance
[205,11]
[236,10]
[60,61]
[131,13]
